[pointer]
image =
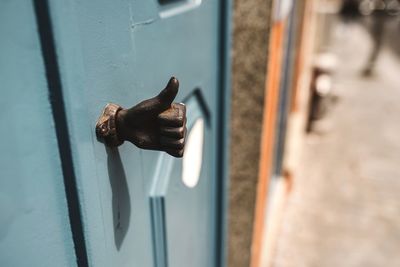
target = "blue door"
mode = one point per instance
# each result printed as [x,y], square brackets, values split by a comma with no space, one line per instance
[35,227]
[142,208]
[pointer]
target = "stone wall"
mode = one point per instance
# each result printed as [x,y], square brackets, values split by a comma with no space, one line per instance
[250,49]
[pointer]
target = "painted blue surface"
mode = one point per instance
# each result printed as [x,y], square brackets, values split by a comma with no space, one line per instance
[124,52]
[182,216]
[34,223]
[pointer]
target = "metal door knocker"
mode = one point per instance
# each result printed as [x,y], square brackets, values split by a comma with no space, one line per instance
[155,124]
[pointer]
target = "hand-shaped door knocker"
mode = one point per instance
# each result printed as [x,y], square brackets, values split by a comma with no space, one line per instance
[155,124]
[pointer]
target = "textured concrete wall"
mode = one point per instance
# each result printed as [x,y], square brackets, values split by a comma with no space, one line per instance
[250,50]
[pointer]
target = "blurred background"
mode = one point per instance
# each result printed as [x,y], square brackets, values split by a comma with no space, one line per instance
[322,106]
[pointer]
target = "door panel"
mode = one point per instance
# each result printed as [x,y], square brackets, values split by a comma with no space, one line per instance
[34,223]
[182,215]
[124,52]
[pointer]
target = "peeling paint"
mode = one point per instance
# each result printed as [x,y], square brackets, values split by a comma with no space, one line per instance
[142,23]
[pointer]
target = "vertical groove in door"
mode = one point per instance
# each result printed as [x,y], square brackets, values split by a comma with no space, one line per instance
[47,43]
[223,112]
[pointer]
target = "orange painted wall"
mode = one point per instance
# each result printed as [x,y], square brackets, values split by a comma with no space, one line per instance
[268,135]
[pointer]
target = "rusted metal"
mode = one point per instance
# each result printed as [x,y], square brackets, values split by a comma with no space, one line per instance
[154,124]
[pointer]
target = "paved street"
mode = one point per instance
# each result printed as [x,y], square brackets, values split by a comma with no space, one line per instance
[344,210]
